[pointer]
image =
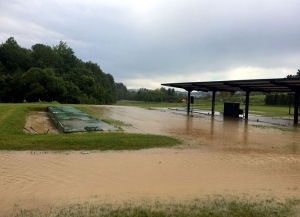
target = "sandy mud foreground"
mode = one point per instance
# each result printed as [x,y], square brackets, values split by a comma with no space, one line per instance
[219,156]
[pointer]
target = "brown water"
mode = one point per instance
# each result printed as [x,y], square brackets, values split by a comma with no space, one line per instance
[218,157]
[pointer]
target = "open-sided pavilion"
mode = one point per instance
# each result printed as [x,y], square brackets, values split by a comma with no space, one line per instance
[276,85]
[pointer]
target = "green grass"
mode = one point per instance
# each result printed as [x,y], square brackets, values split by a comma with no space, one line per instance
[271,111]
[256,107]
[116,122]
[216,206]
[13,118]
[85,141]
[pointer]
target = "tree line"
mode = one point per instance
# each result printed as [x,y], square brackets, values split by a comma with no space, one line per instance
[143,94]
[163,94]
[51,74]
[281,98]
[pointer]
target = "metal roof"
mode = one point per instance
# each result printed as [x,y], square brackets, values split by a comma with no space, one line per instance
[254,85]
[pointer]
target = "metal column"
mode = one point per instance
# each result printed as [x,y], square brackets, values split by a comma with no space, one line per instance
[189,102]
[247,104]
[213,103]
[290,103]
[296,106]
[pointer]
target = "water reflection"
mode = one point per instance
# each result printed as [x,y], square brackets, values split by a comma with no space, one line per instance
[237,128]
[189,124]
[245,134]
[212,125]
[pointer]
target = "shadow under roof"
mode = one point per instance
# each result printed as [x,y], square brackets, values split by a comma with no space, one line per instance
[255,85]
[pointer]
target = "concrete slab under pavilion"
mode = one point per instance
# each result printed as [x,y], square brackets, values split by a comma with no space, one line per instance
[276,85]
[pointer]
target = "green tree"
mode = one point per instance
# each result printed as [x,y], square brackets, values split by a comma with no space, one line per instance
[51,73]
[295,76]
[73,93]
[13,58]
[13,89]
[44,85]
[65,58]
[35,81]
[43,56]
[121,91]
[56,89]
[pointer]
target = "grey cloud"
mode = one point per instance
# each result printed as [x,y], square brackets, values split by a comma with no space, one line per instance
[166,38]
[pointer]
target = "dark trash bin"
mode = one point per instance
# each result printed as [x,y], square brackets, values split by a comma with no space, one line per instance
[232,109]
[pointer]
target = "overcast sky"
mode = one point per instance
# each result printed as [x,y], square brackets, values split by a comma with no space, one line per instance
[144,43]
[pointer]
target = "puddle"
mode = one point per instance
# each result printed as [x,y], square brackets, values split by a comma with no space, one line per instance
[202,129]
[219,157]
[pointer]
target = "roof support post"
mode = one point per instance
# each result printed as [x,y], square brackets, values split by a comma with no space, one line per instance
[189,102]
[213,101]
[247,104]
[290,103]
[296,106]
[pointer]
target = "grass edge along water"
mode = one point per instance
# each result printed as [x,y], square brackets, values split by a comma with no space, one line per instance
[13,118]
[213,206]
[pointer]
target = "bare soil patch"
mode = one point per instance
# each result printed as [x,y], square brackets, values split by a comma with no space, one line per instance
[39,122]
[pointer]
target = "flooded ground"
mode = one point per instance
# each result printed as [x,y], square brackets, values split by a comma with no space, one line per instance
[218,156]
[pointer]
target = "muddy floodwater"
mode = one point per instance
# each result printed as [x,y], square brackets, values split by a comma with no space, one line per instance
[218,156]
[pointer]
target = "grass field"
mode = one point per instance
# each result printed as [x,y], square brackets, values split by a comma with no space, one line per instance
[212,206]
[256,107]
[12,121]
